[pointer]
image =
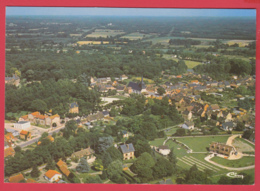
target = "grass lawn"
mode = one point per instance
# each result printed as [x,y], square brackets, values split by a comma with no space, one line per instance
[177,149]
[157,142]
[135,36]
[171,131]
[244,141]
[191,64]
[200,144]
[170,57]
[105,32]
[244,161]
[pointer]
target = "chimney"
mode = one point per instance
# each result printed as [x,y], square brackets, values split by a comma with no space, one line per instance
[127,146]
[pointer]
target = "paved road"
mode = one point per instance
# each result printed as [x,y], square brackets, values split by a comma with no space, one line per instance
[34,140]
[231,138]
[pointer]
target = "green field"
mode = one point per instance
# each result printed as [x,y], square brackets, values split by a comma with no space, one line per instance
[105,32]
[200,144]
[157,142]
[191,64]
[136,36]
[244,161]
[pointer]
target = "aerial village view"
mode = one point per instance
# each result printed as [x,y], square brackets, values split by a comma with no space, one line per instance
[139,96]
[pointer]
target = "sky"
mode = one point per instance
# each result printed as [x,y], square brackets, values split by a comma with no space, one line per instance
[128,11]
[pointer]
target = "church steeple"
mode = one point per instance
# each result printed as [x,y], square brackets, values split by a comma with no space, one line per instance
[142,84]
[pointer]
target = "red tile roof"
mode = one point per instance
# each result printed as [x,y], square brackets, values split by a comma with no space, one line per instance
[51,173]
[16,178]
[9,152]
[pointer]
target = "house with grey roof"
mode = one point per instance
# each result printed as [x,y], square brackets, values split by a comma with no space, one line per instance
[188,125]
[127,151]
[228,126]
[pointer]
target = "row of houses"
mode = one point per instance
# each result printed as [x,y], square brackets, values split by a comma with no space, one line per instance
[39,119]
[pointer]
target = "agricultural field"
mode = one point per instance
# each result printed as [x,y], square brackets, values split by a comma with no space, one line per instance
[241,43]
[191,64]
[244,161]
[136,36]
[170,57]
[105,32]
[90,42]
[145,80]
[200,144]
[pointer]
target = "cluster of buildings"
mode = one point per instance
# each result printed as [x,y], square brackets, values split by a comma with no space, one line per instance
[39,119]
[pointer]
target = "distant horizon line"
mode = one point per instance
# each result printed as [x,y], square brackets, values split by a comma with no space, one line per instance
[130,16]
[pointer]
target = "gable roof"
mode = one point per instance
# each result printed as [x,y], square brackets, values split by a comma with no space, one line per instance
[29,180]
[134,86]
[74,104]
[23,132]
[50,173]
[9,152]
[87,152]
[16,179]
[127,148]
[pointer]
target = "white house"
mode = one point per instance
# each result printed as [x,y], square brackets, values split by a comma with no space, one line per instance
[22,125]
[164,150]
[52,175]
[188,125]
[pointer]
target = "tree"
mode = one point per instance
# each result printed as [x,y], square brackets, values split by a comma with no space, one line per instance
[104,143]
[106,159]
[38,105]
[180,132]
[172,158]
[50,164]
[83,166]
[143,167]
[114,153]
[224,180]
[162,168]
[93,179]
[17,149]
[161,90]
[113,112]
[35,172]
[114,170]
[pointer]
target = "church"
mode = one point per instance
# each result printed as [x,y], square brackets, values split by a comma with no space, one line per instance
[137,88]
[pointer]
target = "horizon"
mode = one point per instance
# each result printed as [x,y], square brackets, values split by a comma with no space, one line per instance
[134,12]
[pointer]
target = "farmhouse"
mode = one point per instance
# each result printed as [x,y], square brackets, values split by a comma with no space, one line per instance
[52,175]
[128,151]
[222,148]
